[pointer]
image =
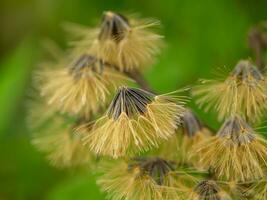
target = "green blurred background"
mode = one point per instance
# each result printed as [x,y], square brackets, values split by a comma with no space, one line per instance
[200,35]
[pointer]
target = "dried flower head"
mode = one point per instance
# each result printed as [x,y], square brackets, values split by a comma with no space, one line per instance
[126,43]
[82,88]
[258,190]
[191,133]
[209,190]
[136,120]
[141,178]
[236,152]
[244,92]
[61,145]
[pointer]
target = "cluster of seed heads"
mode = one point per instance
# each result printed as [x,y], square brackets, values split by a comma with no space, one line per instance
[160,149]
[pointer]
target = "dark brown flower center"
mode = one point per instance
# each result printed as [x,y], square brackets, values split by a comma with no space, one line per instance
[86,61]
[237,130]
[207,190]
[246,71]
[155,167]
[114,26]
[191,124]
[131,101]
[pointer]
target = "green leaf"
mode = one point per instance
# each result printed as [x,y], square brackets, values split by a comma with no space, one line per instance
[82,187]
[14,76]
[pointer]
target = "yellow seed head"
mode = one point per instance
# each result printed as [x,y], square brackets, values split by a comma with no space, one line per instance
[209,190]
[127,44]
[236,152]
[141,178]
[81,89]
[135,121]
[244,92]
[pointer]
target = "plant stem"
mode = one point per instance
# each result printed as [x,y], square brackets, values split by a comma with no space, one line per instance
[139,79]
[136,76]
[257,40]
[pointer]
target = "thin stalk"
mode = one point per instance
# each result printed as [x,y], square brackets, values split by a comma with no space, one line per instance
[257,39]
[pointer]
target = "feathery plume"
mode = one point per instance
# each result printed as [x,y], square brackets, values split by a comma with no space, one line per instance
[136,120]
[244,92]
[141,178]
[236,153]
[82,88]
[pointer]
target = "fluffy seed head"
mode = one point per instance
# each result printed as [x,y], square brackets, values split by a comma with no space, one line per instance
[136,120]
[209,190]
[244,92]
[82,88]
[156,168]
[127,44]
[236,153]
[140,178]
